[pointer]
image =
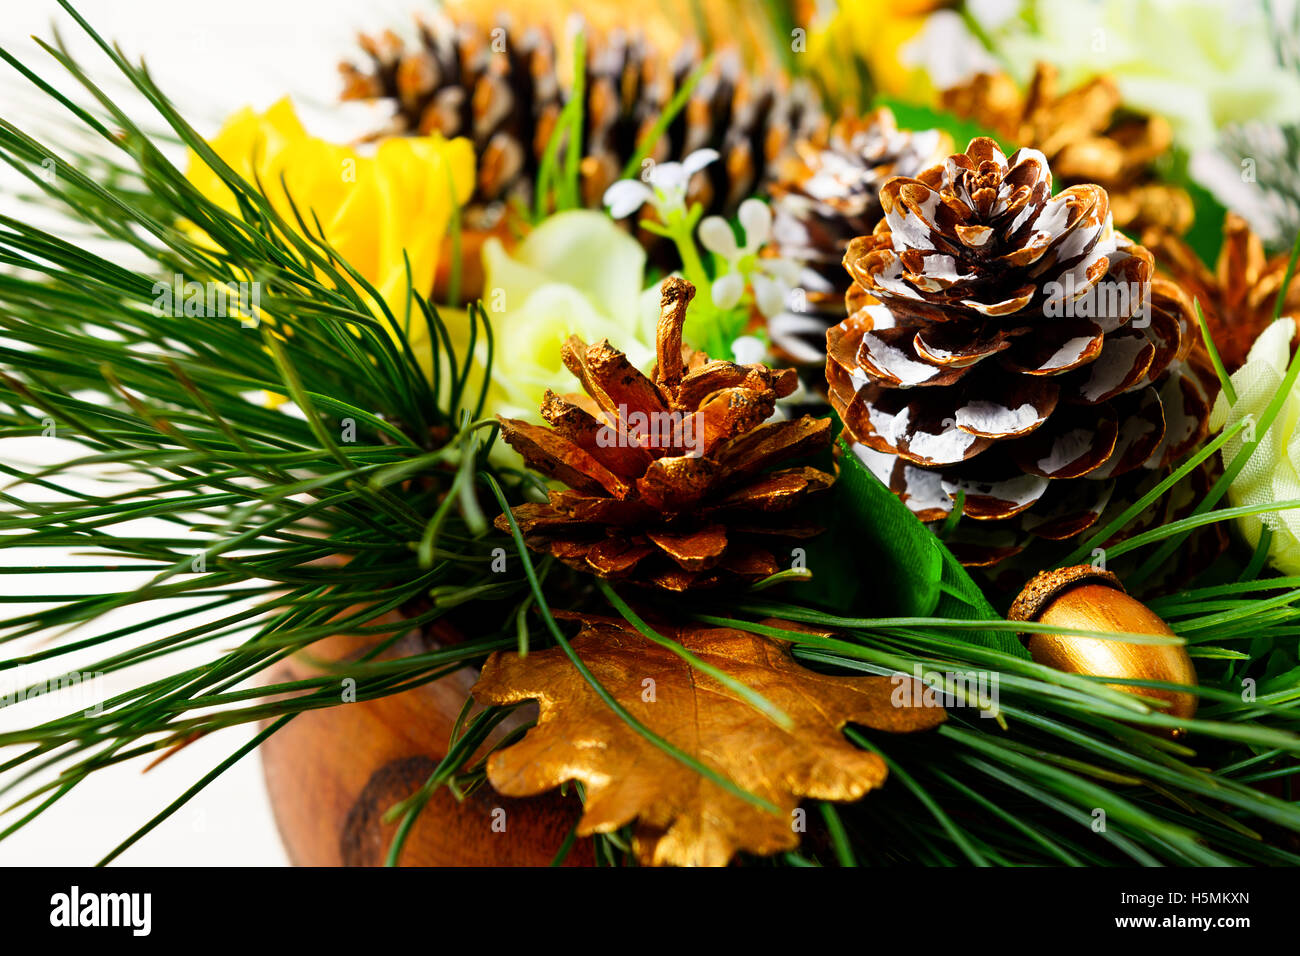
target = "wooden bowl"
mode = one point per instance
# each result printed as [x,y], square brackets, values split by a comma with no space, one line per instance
[333,773]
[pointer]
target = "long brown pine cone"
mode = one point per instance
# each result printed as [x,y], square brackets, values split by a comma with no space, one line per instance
[825,195]
[1086,137]
[1010,347]
[1239,297]
[507,100]
[671,478]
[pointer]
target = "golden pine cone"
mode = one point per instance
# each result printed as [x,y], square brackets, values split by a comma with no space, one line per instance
[1085,138]
[502,88]
[827,194]
[1009,346]
[1239,296]
[670,478]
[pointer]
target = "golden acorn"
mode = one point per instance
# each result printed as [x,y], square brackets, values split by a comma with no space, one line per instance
[1090,599]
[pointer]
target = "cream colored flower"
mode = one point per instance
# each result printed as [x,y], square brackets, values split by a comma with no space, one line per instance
[771,278]
[1273,471]
[1201,64]
[575,274]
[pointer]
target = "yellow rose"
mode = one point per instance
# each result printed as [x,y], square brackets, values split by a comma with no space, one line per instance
[374,209]
[873,32]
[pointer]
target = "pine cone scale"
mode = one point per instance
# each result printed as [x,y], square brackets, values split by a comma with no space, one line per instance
[773,443]
[1128,357]
[614,556]
[696,550]
[1003,407]
[561,459]
[997,499]
[624,456]
[617,386]
[1072,344]
[777,491]
[1073,446]
[1142,429]
[679,481]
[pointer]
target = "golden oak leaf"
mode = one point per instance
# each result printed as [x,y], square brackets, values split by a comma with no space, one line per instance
[682,817]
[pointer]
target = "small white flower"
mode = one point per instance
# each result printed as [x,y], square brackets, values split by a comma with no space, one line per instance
[771,278]
[756,219]
[664,187]
[728,290]
[627,196]
[717,237]
[769,293]
[749,350]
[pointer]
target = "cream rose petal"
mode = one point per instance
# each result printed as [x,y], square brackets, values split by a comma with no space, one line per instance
[582,249]
[1272,472]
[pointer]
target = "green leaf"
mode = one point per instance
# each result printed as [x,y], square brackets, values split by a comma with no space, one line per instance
[911,572]
[897,558]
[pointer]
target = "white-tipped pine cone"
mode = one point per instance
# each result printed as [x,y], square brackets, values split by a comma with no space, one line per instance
[1010,347]
[826,195]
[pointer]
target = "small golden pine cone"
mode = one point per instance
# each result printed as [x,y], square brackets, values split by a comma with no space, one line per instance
[670,478]
[1239,295]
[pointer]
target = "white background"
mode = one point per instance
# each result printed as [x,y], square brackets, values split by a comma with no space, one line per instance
[212,58]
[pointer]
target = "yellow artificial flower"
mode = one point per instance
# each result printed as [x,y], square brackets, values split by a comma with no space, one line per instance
[1273,472]
[376,210]
[871,32]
